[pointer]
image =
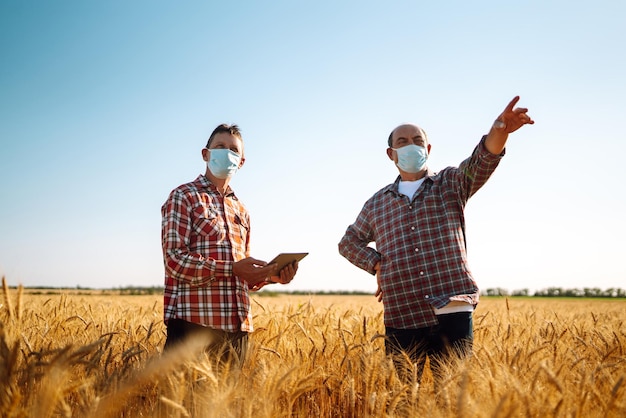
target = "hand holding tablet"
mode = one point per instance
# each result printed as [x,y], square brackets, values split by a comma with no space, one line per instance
[283,260]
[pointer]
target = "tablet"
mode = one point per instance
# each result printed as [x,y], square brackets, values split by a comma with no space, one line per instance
[283,259]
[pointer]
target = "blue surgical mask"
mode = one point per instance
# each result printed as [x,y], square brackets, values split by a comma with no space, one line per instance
[411,158]
[223,163]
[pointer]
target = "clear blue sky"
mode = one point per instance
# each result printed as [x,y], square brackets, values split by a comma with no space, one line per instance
[105,106]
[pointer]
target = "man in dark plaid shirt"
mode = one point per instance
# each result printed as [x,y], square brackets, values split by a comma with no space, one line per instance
[420,260]
[208,269]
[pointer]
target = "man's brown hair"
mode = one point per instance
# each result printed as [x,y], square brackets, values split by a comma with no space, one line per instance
[230,129]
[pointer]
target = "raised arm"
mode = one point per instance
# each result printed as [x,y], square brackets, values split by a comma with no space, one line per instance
[509,121]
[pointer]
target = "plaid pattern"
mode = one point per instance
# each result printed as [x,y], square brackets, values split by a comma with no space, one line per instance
[420,242]
[203,233]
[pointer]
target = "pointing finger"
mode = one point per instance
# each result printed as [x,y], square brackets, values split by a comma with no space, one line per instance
[509,107]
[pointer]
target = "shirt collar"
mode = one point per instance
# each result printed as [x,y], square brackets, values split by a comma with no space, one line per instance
[206,184]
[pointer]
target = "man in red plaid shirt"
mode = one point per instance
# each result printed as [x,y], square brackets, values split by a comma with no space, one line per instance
[420,260]
[208,269]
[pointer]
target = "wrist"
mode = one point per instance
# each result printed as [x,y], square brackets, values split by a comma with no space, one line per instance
[499,124]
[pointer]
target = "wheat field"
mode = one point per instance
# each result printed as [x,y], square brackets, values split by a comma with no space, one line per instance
[73,355]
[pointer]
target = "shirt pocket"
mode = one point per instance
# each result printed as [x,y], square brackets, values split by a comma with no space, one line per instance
[208,222]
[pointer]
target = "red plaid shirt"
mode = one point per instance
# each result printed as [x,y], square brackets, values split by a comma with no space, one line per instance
[203,233]
[420,242]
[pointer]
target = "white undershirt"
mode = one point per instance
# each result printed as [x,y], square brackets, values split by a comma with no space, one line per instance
[408,188]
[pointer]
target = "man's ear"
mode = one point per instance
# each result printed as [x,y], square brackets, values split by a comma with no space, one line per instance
[390,153]
[205,154]
[243,160]
[428,149]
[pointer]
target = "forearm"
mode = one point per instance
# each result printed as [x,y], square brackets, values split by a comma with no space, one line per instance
[195,269]
[496,140]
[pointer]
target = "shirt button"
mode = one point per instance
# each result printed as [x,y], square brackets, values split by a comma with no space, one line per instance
[426,297]
[410,207]
[412,228]
[417,249]
[421,273]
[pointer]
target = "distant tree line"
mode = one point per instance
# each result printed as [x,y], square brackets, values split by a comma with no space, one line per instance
[586,292]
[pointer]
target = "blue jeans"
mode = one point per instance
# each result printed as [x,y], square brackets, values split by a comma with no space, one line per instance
[454,335]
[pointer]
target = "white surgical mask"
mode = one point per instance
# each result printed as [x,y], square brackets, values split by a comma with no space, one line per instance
[223,163]
[411,158]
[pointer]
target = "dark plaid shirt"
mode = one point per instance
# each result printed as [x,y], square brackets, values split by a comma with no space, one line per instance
[420,242]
